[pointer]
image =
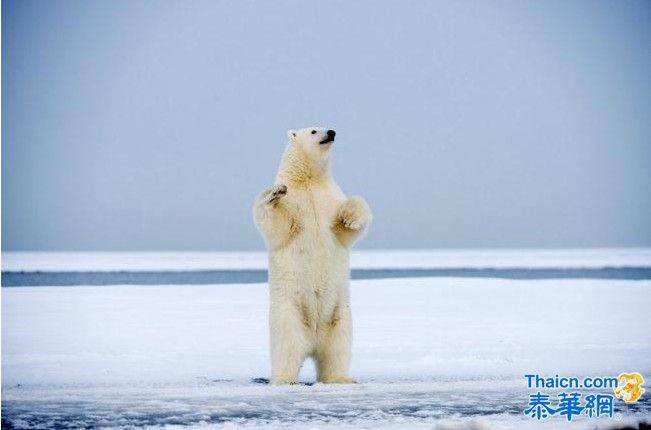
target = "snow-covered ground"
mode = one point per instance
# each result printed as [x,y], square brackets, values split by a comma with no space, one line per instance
[427,352]
[365,259]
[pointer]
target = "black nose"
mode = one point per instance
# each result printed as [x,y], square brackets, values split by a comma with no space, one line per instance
[331,133]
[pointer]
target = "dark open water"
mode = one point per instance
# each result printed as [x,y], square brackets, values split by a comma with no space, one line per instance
[24,279]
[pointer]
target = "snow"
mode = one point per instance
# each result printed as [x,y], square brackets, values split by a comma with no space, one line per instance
[427,351]
[365,259]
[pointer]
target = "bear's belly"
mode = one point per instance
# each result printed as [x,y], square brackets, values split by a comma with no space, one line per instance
[311,276]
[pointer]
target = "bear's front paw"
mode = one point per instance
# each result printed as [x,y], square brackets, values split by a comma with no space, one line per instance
[273,194]
[354,213]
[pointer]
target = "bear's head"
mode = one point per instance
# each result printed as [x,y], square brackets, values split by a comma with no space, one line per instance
[312,140]
[308,153]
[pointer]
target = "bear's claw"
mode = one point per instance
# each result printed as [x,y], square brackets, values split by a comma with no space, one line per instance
[276,192]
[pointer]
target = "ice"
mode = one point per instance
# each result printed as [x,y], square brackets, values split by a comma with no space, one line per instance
[427,351]
[365,259]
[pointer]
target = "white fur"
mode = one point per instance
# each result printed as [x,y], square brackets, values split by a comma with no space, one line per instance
[309,225]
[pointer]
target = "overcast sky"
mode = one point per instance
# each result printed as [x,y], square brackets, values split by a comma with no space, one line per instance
[151,125]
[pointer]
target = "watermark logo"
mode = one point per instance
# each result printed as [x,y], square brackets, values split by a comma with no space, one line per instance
[630,387]
[627,386]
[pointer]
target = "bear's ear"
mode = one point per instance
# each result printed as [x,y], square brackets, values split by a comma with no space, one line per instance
[291,135]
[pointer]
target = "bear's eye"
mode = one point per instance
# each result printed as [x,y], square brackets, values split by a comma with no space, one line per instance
[313,131]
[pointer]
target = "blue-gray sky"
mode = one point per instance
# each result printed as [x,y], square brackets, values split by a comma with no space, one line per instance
[151,125]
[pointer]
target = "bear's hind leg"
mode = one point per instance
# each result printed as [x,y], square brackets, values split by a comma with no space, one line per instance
[289,346]
[333,353]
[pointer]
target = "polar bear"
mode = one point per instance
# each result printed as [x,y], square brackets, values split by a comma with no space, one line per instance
[309,225]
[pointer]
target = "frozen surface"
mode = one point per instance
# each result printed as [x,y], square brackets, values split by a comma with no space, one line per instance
[419,259]
[427,351]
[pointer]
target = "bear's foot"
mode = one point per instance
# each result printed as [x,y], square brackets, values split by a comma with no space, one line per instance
[284,380]
[338,380]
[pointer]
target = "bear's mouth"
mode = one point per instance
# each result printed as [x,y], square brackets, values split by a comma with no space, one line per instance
[328,139]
